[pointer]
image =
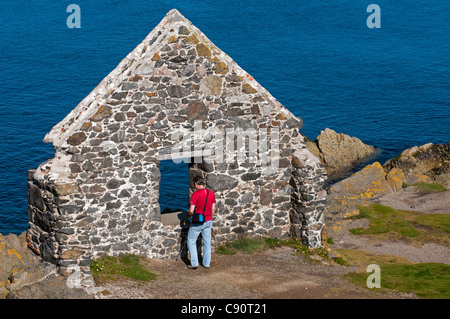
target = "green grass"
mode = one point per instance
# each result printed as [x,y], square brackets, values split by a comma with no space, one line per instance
[436,221]
[426,280]
[113,268]
[248,245]
[398,274]
[427,187]
[388,223]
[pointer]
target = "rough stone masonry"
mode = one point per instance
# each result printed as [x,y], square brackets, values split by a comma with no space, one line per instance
[99,194]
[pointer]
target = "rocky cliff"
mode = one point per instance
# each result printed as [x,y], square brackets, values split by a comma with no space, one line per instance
[428,163]
[339,152]
[23,275]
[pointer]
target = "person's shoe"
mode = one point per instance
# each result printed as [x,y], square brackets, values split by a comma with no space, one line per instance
[192,267]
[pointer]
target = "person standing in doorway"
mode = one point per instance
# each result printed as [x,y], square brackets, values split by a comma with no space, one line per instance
[203,201]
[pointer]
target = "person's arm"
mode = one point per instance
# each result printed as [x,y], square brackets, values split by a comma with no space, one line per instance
[213,208]
[192,204]
[191,210]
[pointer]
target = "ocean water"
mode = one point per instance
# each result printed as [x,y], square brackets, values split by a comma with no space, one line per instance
[388,86]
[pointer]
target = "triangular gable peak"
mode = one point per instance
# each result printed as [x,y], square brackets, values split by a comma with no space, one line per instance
[144,61]
[100,193]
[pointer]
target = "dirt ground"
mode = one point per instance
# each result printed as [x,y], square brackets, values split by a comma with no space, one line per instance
[413,199]
[280,273]
[274,274]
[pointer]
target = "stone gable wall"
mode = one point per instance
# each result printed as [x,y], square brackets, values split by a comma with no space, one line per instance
[99,195]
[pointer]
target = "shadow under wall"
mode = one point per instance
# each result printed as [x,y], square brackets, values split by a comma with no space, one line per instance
[181,218]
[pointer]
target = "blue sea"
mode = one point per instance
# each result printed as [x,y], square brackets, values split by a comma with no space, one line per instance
[388,86]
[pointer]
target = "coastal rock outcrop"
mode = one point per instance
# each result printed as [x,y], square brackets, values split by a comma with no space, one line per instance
[426,163]
[359,189]
[370,182]
[25,276]
[339,152]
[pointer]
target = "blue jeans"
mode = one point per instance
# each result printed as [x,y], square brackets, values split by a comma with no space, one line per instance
[194,231]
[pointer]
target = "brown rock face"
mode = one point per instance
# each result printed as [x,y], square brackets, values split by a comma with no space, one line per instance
[25,276]
[197,111]
[368,183]
[103,112]
[202,50]
[426,163]
[77,139]
[341,149]
[248,89]
[359,189]
[339,152]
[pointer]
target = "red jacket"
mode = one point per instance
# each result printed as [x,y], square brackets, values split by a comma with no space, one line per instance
[198,199]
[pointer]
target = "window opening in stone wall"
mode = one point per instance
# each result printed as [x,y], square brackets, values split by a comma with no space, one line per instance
[173,187]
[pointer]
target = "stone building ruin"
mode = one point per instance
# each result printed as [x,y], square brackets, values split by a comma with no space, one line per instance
[99,194]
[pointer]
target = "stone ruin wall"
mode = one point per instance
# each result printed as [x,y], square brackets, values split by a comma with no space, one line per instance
[99,194]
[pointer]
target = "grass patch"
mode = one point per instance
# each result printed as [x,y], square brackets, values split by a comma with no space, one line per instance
[398,274]
[248,245]
[427,280]
[427,187]
[363,259]
[225,250]
[114,268]
[436,221]
[244,245]
[388,223]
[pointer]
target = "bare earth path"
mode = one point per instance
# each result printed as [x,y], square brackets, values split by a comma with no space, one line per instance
[274,274]
[430,252]
[412,199]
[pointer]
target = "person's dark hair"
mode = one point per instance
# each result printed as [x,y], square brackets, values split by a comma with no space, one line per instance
[199,180]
